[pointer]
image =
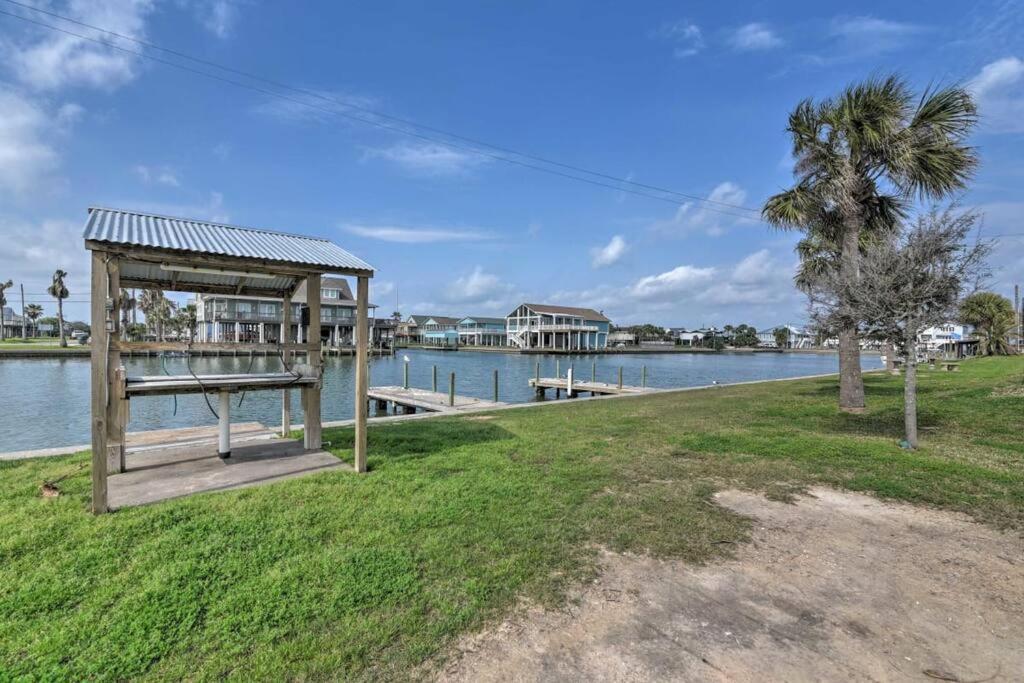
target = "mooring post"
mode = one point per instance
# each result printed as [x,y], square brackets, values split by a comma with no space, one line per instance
[451,389]
[593,371]
[568,383]
[495,385]
[620,377]
[405,375]
[537,376]
[224,426]
[643,375]
[434,383]
[558,369]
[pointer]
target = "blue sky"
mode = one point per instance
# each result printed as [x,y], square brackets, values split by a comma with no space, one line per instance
[687,96]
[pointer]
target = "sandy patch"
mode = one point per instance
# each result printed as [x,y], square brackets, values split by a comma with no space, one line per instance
[839,586]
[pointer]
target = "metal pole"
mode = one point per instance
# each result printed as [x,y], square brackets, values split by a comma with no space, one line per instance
[643,376]
[434,384]
[568,383]
[405,375]
[495,386]
[620,377]
[451,389]
[224,426]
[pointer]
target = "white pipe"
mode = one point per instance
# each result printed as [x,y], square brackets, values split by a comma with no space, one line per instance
[568,383]
[224,425]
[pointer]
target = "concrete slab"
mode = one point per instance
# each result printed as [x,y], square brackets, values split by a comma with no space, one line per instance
[176,470]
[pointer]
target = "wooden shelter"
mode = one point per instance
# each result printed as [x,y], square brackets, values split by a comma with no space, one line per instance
[130,249]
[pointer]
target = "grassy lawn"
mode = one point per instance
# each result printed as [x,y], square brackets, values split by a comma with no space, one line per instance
[343,576]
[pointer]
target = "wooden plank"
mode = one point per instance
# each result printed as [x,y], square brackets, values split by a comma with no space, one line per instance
[311,407]
[242,383]
[286,356]
[202,288]
[98,383]
[362,381]
[587,387]
[431,401]
[115,435]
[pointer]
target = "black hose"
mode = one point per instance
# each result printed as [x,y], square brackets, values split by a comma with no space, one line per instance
[163,364]
[188,363]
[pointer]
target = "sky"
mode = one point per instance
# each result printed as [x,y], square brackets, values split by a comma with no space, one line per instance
[687,96]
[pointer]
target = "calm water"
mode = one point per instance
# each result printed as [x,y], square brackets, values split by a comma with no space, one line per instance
[47,400]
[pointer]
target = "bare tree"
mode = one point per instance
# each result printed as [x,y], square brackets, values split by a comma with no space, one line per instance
[907,283]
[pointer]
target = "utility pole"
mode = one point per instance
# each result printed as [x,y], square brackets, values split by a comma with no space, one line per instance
[23,310]
[1018,311]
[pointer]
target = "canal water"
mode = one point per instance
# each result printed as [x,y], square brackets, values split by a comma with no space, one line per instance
[47,400]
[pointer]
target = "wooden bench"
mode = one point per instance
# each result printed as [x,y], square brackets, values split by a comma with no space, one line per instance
[950,366]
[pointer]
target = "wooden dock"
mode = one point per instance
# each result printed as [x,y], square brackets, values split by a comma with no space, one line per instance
[542,384]
[411,400]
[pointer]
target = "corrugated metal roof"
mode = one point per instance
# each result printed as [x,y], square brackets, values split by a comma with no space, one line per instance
[134,228]
[588,313]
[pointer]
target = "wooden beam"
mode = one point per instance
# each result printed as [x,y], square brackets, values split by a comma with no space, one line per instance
[362,345]
[115,436]
[201,288]
[311,407]
[286,396]
[98,381]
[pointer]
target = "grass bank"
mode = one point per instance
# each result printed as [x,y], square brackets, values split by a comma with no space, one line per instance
[342,576]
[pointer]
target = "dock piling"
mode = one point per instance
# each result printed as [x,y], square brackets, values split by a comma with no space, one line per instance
[593,371]
[495,385]
[558,368]
[434,374]
[643,375]
[451,389]
[620,377]
[405,375]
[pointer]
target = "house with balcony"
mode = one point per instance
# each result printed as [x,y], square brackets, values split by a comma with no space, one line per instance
[439,330]
[536,327]
[227,318]
[479,330]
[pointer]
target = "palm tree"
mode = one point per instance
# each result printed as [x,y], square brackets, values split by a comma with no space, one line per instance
[154,307]
[3,303]
[992,317]
[33,312]
[59,291]
[128,304]
[860,158]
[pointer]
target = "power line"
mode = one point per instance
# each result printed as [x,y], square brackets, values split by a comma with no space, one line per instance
[371,122]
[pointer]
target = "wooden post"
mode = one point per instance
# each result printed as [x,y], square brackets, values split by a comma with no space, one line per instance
[620,377]
[362,371]
[495,386]
[98,381]
[538,373]
[311,405]
[593,371]
[643,375]
[115,432]
[286,338]
[558,368]
[405,375]
[568,383]
[451,389]
[434,383]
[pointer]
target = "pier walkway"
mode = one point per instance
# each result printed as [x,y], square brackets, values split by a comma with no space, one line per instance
[542,384]
[410,400]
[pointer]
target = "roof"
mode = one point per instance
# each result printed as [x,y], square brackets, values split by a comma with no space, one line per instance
[135,228]
[442,320]
[345,297]
[483,320]
[587,313]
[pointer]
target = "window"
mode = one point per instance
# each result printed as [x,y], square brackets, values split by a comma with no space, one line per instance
[268,310]
[328,293]
[243,308]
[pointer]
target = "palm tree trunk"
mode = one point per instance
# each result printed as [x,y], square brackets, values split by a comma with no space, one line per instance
[60,322]
[910,397]
[851,383]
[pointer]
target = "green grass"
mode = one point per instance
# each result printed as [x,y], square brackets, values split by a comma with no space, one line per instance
[339,576]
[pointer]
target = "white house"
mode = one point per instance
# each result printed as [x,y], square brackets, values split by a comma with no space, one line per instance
[935,338]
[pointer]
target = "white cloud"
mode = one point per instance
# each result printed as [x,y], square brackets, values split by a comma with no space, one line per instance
[217,16]
[405,235]
[161,175]
[27,155]
[48,60]
[999,89]
[484,292]
[754,36]
[757,288]
[609,253]
[713,218]
[867,35]
[428,158]
[685,35]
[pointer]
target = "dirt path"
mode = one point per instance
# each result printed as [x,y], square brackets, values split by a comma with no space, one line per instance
[837,587]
